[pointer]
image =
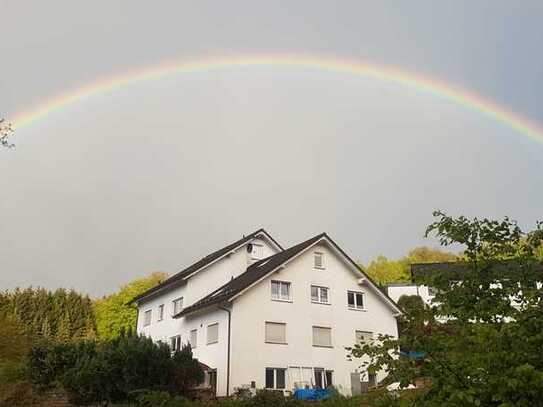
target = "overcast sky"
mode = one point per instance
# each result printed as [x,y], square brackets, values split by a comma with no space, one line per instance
[154,175]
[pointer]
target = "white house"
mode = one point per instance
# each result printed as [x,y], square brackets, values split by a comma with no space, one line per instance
[266,317]
[396,290]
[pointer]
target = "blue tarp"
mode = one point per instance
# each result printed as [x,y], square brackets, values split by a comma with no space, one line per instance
[311,394]
[413,354]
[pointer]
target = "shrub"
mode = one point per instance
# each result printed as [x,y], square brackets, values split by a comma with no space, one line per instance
[49,361]
[159,399]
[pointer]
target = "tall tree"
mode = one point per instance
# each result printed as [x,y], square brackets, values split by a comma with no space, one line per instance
[113,314]
[385,271]
[488,352]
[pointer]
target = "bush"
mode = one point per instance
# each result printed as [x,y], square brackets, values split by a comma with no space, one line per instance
[160,399]
[113,371]
[49,361]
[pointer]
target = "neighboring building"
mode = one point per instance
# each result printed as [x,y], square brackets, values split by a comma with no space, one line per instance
[263,317]
[452,269]
[396,290]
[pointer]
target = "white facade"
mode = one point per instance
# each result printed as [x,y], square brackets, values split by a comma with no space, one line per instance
[395,291]
[294,317]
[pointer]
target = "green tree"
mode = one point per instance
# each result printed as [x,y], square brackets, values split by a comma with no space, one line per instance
[14,342]
[385,271]
[488,352]
[114,315]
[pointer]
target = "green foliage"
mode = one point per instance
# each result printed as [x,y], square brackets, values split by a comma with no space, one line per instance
[488,352]
[48,361]
[14,340]
[160,399]
[61,314]
[112,371]
[114,315]
[187,372]
[385,271]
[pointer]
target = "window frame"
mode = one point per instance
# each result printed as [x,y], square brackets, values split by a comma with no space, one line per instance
[363,332]
[207,333]
[147,317]
[174,307]
[275,323]
[160,313]
[280,284]
[275,370]
[313,336]
[193,344]
[319,294]
[322,265]
[356,306]
[176,340]
[254,255]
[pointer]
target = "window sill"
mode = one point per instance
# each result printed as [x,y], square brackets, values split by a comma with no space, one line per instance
[212,343]
[323,346]
[321,303]
[276,343]
[280,300]
[319,268]
[357,309]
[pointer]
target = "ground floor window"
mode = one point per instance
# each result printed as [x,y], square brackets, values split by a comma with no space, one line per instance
[323,378]
[275,378]
[329,379]
[175,343]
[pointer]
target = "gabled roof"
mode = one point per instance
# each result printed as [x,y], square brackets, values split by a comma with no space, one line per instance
[262,268]
[179,277]
[455,269]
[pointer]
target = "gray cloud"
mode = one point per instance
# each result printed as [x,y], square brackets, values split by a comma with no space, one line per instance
[154,175]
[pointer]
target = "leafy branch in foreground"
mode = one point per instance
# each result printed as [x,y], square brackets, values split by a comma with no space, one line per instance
[480,342]
[5,131]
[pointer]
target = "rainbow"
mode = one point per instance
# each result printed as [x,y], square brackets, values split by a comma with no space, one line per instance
[462,97]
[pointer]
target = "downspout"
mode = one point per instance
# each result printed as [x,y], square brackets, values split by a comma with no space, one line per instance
[228,351]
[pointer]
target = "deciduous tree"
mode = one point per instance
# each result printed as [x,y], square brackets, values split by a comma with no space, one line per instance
[488,352]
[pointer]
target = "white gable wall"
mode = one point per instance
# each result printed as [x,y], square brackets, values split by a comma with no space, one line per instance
[199,285]
[251,355]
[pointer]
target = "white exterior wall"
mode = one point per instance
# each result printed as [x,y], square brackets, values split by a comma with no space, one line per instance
[168,327]
[214,355]
[198,286]
[251,355]
[396,291]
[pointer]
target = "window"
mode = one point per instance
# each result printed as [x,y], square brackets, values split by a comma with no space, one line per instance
[280,290]
[177,305]
[319,260]
[275,378]
[276,332]
[319,294]
[160,312]
[255,250]
[319,378]
[213,333]
[329,381]
[322,336]
[193,338]
[363,336]
[147,318]
[175,343]
[355,300]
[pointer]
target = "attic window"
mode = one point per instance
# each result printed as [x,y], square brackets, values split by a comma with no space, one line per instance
[319,260]
[255,250]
